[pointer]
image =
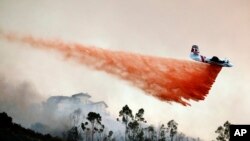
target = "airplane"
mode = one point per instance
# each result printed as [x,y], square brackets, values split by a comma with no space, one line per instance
[195,55]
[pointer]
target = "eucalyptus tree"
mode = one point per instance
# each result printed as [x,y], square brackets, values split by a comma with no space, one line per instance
[95,121]
[223,132]
[172,128]
[127,116]
[162,133]
[135,126]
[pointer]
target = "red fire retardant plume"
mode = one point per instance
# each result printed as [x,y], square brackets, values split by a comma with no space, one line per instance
[164,78]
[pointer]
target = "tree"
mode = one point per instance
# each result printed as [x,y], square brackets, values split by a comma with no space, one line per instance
[100,131]
[73,134]
[109,137]
[133,127]
[139,115]
[162,136]
[95,120]
[151,133]
[85,129]
[223,132]
[126,114]
[172,128]
[135,131]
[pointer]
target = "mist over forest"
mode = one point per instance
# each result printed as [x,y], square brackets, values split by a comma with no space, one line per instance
[77,117]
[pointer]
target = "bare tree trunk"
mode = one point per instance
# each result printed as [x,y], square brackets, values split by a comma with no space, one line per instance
[92,132]
[126,130]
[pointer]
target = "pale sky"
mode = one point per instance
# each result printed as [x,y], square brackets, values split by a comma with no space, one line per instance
[154,27]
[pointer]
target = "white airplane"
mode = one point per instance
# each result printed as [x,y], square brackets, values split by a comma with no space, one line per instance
[195,55]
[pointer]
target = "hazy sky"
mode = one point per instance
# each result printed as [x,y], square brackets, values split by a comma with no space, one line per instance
[154,27]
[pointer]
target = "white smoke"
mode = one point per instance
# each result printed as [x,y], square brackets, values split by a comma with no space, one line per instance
[55,115]
[20,101]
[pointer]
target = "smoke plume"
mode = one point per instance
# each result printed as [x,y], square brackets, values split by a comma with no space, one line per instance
[19,100]
[55,116]
[167,79]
